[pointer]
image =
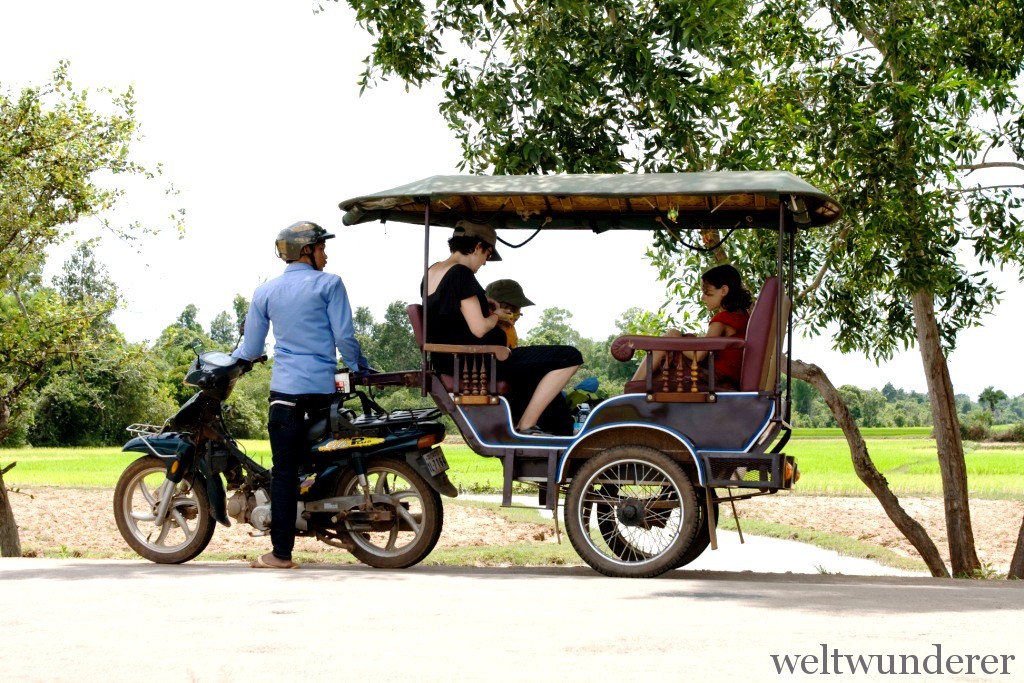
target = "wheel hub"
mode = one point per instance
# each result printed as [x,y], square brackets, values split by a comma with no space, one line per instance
[631,512]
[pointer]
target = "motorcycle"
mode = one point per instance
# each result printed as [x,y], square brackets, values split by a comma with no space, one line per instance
[371,482]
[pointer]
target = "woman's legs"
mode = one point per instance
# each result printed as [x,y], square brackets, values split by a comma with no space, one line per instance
[550,386]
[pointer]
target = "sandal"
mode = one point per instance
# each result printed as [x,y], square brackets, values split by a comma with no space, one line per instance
[534,431]
[274,563]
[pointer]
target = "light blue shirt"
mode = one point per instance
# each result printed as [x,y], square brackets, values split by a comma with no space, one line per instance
[311,315]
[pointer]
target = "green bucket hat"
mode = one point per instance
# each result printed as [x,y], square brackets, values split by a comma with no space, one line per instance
[508,292]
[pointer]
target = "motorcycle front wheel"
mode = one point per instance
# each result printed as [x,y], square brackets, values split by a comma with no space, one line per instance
[188,526]
[413,517]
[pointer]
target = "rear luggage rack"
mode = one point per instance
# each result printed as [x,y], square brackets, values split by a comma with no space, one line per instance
[139,429]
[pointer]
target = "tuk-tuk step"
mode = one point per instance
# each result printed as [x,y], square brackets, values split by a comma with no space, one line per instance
[746,470]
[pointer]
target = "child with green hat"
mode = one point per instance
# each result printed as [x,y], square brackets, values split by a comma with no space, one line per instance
[508,295]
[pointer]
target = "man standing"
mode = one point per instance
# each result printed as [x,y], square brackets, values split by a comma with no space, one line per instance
[311,315]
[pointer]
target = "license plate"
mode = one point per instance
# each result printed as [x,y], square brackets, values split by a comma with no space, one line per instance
[436,462]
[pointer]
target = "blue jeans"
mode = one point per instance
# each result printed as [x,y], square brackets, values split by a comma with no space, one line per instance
[287,426]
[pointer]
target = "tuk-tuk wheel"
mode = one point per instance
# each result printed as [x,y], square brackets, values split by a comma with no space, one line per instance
[631,512]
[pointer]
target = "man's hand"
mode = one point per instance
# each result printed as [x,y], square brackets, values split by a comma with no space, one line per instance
[362,372]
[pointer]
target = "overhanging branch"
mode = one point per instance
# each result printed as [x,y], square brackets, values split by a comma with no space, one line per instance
[983,188]
[991,164]
[839,241]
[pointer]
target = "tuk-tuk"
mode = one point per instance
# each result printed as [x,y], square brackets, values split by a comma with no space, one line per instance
[645,473]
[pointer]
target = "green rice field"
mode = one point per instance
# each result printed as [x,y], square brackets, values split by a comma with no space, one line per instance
[906,457]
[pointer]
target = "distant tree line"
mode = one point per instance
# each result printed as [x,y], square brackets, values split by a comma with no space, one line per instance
[88,398]
[892,407]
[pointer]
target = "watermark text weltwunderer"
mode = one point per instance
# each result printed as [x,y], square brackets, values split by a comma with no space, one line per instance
[830,661]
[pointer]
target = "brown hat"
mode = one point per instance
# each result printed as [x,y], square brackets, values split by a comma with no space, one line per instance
[508,292]
[482,230]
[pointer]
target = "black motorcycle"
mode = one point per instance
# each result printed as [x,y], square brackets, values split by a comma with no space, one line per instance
[371,483]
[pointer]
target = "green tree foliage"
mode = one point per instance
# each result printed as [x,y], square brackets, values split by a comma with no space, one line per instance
[89,398]
[55,147]
[85,281]
[991,397]
[91,402]
[240,305]
[223,330]
[394,344]
[247,418]
[188,320]
[175,350]
[553,328]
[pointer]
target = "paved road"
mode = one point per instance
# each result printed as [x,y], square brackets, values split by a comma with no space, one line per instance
[135,621]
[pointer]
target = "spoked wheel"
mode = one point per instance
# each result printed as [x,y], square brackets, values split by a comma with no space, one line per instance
[631,512]
[396,534]
[701,539]
[187,528]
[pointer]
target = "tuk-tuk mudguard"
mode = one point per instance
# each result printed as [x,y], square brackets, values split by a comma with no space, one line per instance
[633,426]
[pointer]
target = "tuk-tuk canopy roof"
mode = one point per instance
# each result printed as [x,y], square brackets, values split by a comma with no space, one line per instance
[599,202]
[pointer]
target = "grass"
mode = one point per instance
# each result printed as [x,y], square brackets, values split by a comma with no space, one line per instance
[908,461]
[866,432]
[909,464]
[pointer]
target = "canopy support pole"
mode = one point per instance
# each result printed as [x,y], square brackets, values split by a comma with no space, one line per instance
[423,293]
[780,292]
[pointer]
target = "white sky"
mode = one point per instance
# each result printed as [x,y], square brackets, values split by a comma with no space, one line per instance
[254,112]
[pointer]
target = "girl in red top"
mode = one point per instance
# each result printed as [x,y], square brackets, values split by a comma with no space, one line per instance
[723,293]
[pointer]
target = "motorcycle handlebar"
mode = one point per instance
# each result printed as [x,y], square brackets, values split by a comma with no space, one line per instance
[247,364]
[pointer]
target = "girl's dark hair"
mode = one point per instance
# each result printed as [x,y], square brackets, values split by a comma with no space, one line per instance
[466,244]
[738,298]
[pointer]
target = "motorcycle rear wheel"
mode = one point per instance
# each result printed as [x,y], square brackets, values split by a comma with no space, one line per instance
[187,528]
[419,516]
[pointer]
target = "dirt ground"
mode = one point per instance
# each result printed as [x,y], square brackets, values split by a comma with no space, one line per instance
[82,520]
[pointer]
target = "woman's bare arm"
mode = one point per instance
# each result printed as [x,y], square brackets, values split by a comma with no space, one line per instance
[478,324]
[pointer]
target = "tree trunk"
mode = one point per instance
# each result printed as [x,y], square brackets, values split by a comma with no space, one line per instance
[962,554]
[10,544]
[867,471]
[5,418]
[1017,563]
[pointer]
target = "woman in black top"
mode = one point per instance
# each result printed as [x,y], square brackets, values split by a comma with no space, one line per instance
[458,313]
